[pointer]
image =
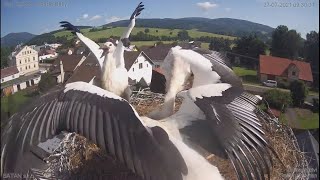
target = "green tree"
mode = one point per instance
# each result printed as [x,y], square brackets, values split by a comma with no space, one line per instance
[5,52]
[278,99]
[146,30]
[311,53]
[220,44]
[286,43]
[250,46]
[183,35]
[299,92]
[46,82]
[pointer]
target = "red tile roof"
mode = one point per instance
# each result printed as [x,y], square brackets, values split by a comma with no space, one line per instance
[9,71]
[278,67]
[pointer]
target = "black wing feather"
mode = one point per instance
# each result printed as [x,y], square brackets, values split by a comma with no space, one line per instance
[69,27]
[110,123]
[235,124]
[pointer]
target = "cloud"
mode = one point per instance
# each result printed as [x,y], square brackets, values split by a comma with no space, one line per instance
[206,5]
[228,9]
[85,16]
[96,17]
[115,18]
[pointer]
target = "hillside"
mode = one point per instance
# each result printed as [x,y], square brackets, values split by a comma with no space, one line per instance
[196,27]
[117,31]
[14,39]
[224,26]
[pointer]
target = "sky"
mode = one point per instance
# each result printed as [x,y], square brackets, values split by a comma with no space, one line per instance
[40,16]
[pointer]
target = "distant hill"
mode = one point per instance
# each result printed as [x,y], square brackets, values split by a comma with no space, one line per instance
[224,26]
[14,39]
[221,27]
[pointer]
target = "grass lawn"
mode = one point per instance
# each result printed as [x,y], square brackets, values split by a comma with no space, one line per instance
[307,119]
[13,102]
[247,75]
[117,31]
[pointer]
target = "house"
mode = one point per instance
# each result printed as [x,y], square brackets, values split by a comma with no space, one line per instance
[9,73]
[17,84]
[139,67]
[87,70]
[69,64]
[25,59]
[158,81]
[47,54]
[156,53]
[284,70]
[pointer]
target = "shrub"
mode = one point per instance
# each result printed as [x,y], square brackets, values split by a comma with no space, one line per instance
[299,92]
[278,99]
[46,82]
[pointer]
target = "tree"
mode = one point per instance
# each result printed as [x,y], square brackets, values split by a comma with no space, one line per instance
[299,92]
[46,82]
[286,43]
[250,46]
[311,53]
[278,99]
[183,35]
[146,30]
[5,52]
[220,44]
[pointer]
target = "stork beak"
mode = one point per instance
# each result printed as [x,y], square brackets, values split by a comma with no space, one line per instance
[105,50]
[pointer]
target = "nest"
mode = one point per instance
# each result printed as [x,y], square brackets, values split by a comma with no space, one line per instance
[76,156]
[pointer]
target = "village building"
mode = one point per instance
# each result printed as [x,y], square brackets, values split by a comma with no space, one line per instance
[25,59]
[284,70]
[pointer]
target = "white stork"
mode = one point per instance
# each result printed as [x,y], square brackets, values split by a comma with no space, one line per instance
[106,119]
[216,112]
[120,84]
[219,116]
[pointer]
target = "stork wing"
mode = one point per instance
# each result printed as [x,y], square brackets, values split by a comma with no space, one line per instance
[125,36]
[103,118]
[230,114]
[94,47]
[221,64]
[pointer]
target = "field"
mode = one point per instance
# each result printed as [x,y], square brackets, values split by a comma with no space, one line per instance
[13,103]
[247,75]
[117,31]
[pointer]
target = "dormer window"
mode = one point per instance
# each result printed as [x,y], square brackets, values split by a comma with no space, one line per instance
[293,73]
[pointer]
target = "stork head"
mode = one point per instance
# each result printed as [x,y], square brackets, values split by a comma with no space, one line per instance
[107,47]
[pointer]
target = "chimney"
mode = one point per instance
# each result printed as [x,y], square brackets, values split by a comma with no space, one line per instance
[61,72]
[70,52]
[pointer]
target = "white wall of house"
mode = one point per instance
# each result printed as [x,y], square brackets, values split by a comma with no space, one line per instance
[48,56]
[141,68]
[26,60]
[8,78]
[23,85]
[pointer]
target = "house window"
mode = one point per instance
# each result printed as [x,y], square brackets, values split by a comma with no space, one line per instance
[26,67]
[34,58]
[132,69]
[12,76]
[293,73]
[2,80]
[29,66]
[140,65]
[28,59]
[20,61]
[34,65]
